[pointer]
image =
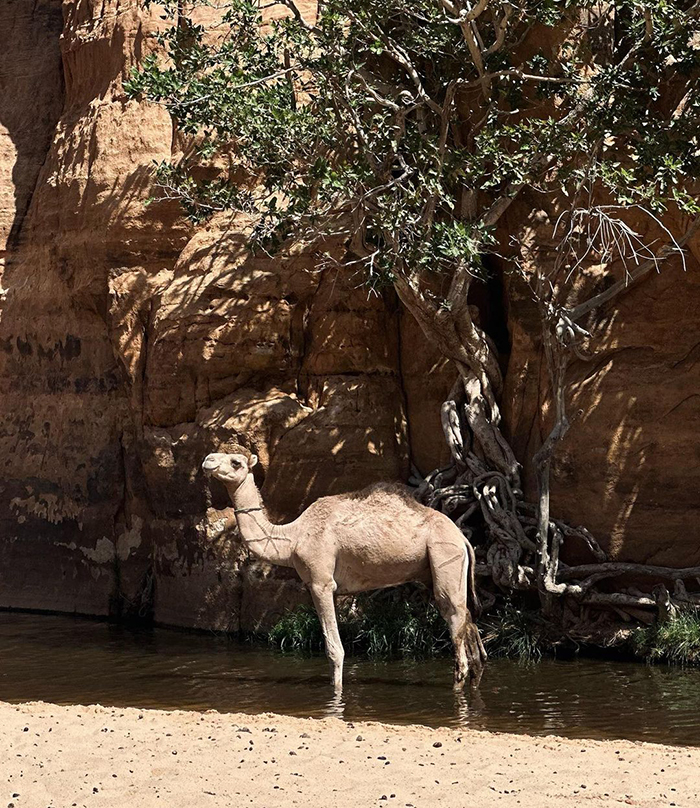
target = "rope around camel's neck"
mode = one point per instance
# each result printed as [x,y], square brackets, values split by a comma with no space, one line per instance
[264,540]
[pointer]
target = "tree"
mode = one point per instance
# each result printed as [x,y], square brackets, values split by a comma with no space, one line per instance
[399,133]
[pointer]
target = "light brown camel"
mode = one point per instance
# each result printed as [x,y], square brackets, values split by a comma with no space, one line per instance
[351,543]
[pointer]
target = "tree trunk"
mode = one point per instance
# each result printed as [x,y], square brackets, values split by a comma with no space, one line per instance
[518,543]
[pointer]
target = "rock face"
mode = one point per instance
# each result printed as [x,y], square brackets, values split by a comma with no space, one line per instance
[131,345]
[628,468]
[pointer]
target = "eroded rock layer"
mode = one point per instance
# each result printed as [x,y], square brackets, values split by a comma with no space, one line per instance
[131,346]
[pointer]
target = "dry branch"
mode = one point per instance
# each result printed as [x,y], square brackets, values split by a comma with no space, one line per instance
[640,272]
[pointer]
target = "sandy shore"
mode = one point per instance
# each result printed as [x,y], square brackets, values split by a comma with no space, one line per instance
[96,756]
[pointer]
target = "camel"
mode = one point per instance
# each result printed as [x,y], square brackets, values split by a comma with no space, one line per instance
[350,543]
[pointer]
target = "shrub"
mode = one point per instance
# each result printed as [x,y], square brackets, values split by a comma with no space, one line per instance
[513,632]
[402,623]
[676,641]
[390,623]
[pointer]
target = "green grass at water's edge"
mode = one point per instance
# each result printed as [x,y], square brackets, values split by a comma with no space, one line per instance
[676,641]
[388,627]
[370,627]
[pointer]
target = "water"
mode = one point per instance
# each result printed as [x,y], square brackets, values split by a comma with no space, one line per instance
[73,661]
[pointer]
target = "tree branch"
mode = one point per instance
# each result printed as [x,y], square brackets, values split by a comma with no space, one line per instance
[641,271]
[614,568]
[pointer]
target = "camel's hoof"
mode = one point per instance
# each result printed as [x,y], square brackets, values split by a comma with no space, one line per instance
[459,681]
[475,679]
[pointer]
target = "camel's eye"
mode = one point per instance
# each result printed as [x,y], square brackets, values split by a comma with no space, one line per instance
[235,464]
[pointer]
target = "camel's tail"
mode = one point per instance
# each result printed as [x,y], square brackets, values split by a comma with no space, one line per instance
[473,602]
[475,646]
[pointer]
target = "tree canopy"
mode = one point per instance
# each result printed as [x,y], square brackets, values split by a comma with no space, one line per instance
[423,118]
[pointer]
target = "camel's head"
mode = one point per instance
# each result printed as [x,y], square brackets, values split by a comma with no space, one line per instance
[231,469]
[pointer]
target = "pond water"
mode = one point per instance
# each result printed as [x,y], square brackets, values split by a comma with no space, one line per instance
[78,661]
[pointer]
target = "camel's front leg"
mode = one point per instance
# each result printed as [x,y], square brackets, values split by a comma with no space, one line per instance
[322,595]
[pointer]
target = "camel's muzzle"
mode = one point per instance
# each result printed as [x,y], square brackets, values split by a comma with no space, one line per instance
[210,465]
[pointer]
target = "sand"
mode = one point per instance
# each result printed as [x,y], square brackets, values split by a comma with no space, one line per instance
[99,756]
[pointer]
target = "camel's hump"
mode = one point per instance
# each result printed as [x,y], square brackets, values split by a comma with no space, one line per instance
[377,494]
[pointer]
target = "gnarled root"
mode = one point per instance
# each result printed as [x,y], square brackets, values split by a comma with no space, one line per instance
[519,543]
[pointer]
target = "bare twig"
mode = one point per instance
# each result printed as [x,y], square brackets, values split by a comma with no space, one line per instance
[640,272]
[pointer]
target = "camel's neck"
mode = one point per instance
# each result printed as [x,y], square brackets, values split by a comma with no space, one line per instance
[268,542]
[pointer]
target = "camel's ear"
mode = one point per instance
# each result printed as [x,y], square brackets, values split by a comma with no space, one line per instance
[253,460]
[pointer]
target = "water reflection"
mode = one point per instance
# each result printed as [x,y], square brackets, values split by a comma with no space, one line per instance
[71,661]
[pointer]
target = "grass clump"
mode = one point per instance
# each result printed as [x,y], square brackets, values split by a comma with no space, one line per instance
[384,627]
[403,623]
[299,630]
[514,633]
[385,624]
[676,641]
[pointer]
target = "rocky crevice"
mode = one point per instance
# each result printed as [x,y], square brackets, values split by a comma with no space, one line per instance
[32,71]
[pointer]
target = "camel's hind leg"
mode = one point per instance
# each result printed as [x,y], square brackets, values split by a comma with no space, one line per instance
[322,595]
[449,562]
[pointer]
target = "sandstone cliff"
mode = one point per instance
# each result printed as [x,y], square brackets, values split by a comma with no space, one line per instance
[132,344]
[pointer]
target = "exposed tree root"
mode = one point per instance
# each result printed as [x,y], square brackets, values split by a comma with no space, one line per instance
[519,544]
